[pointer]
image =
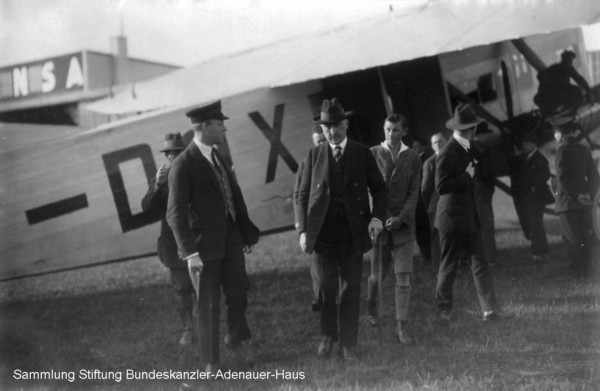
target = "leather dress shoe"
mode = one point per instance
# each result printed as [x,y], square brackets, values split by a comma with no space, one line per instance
[403,338]
[496,315]
[348,354]
[325,347]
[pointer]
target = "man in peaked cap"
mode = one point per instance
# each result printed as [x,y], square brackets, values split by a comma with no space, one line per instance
[155,201]
[457,217]
[208,215]
[335,220]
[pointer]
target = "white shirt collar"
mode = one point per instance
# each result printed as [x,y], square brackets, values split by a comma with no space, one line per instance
[462,141]
[204,149]
[342,145]
[403,147]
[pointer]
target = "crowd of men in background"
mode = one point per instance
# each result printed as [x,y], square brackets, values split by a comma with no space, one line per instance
[349,199]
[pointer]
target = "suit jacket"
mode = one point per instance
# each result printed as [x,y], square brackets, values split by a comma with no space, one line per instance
[402,180]
[155,202]
[196,209]
[456,210]
[576,174]
[361,175]
[428,192]
[529,178]
[299,174]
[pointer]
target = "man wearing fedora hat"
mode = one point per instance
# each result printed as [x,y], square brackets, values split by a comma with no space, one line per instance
[335,220]
[209,218]
[155,201]
[457,217]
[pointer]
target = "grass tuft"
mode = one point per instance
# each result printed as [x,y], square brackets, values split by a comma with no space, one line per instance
[122,317]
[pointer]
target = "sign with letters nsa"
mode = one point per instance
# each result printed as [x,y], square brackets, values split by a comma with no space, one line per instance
[44,77]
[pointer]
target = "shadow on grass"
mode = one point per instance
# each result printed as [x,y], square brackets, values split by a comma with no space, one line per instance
[554,336]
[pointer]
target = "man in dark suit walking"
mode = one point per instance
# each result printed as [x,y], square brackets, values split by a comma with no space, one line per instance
[209,219]
[529,173]
[335,221]
[315,269]
[155,201]
[457,219]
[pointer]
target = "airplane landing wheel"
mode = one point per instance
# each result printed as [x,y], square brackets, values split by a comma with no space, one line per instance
[596,214]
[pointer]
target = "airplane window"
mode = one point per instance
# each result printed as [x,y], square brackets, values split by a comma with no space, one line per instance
[486,89]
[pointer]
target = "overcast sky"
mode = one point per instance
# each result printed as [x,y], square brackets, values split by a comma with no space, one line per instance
[179,32]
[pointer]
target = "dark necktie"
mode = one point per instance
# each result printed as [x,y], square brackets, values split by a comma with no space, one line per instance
[224,185]
[214,162]
[337,154]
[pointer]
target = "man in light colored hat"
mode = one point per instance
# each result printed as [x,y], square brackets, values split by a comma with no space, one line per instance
[457,217]
[335,220]
[155,201]
[209,218]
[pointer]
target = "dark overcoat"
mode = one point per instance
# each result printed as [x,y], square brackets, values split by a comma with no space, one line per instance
[576,174]
[361,177]
[456,210]
[529,178]
[196,209]
[155,202]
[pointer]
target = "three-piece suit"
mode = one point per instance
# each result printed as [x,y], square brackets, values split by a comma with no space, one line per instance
[334,213]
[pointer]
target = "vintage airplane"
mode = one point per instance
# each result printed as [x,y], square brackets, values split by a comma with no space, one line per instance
[74,200]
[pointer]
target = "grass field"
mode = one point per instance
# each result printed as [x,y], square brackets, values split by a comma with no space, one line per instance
[121,317]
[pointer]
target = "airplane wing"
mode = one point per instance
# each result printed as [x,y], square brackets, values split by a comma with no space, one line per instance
[414,30]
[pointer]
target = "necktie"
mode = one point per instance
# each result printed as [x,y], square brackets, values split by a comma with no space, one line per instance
[224,185]
[337,154]
[214,161]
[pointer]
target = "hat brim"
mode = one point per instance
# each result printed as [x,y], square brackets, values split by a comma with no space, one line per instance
[453,125]
[317,118]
